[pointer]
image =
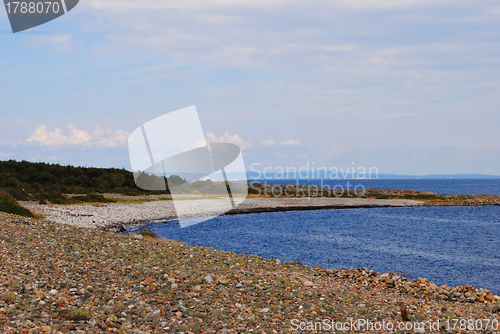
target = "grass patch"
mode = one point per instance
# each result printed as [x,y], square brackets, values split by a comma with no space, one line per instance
[422,197]
[139,200]
[75,315]
[90,198]
[9,205]
[418,197]
[383,197]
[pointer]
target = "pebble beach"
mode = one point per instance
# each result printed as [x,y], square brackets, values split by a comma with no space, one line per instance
[118,216]
[61,278]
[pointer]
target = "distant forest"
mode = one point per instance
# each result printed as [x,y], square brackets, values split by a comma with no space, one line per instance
[27,181]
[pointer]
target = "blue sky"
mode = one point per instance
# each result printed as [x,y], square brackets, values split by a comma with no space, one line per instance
[407,86]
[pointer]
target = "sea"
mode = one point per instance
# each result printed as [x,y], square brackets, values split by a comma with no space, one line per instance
[442,186]
[457,245]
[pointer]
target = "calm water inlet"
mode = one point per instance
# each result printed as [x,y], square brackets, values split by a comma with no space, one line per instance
[447,245]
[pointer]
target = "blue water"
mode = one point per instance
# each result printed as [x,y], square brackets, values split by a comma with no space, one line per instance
[442,186]
[447,245]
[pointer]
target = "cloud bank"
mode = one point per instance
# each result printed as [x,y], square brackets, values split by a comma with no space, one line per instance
[98,138]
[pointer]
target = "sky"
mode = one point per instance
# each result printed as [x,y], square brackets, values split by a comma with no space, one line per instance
[406,86]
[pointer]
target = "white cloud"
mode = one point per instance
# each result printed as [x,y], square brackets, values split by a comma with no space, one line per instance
[239,33]
[44,138]
[268,142]
[290,142]
[78,137]
[108,138]
[97,138]
[228,138]
[385,62]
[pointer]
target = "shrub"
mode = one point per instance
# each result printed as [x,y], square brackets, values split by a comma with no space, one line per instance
[10,205]
[252,190]
[93,198]
[147,232]
[59,199]
[175,180]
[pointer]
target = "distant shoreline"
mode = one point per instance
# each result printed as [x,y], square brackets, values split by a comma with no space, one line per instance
[143,210]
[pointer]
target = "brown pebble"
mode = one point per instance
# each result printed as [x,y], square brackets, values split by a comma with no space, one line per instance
[148,281]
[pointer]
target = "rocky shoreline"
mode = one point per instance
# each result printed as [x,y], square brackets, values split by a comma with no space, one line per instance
[426,197]
[142,210]
[59,278]
[120,217]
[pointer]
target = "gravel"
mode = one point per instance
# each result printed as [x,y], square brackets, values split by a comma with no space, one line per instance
[108,282]
[115,215]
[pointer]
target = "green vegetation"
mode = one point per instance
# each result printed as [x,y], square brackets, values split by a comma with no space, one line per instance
[253,191]
[10,205]
[382,197]
[147,232]
[417,197]
[91,198]
[205,187]
[138,200]
[422,197]
[45,182]
[27,181]
[75,315]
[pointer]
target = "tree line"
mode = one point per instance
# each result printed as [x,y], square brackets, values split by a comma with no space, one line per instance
[28,181]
